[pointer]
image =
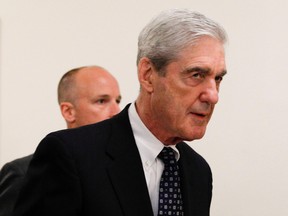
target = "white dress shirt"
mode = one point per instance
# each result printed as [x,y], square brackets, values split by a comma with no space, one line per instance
[149,147]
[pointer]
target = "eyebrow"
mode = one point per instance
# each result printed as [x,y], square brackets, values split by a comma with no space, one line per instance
[223,73]
[109,96]
[203,71]
[197,69]
[103,96]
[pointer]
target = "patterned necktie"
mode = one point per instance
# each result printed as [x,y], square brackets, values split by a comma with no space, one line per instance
[170,199]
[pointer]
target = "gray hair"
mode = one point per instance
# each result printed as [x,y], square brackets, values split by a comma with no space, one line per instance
[165,36]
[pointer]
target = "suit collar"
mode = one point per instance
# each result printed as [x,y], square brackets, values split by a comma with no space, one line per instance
[125,170]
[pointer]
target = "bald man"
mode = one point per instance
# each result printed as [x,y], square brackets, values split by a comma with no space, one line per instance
[86,95]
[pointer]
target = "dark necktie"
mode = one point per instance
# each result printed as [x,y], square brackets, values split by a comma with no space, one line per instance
[170,199]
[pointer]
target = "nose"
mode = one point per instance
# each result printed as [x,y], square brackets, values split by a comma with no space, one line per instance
[210,93]
[114,108]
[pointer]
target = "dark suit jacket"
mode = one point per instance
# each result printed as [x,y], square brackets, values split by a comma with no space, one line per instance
[11,180]
[97,170]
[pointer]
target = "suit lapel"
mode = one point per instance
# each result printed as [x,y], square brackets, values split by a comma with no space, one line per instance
[189,187]
[125,170]
[192,182]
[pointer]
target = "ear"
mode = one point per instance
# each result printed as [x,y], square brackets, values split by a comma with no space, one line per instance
[146,73]
[68,112]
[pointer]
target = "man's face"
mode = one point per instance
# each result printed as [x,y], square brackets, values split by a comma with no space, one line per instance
[183,100]
[97,99]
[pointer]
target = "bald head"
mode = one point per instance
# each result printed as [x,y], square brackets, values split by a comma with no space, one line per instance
[88,95]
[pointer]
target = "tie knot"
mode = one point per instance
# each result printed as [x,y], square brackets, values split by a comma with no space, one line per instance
[167,156]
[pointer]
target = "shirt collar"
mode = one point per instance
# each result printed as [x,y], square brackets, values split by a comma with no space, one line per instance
[148,145]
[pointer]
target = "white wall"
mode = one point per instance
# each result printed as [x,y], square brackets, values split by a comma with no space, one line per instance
[246,142]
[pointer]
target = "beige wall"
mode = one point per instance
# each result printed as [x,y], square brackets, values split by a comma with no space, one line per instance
[247,141]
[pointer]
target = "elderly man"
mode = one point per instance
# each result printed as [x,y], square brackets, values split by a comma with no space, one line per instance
[137,162]
[85,95]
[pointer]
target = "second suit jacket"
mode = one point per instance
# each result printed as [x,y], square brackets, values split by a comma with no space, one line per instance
[97,170]
[11,180]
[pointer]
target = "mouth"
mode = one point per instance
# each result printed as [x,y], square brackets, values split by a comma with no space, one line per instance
[200,116]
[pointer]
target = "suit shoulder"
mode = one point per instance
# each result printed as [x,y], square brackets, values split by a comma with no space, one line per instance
[76,141]
[100,129]
[92,129]
[18,166]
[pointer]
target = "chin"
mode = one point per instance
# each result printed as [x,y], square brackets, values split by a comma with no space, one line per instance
[195,134]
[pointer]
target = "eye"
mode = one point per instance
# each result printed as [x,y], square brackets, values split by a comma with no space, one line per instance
[218,79]
[194,78]
[198,75]
[100,101]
